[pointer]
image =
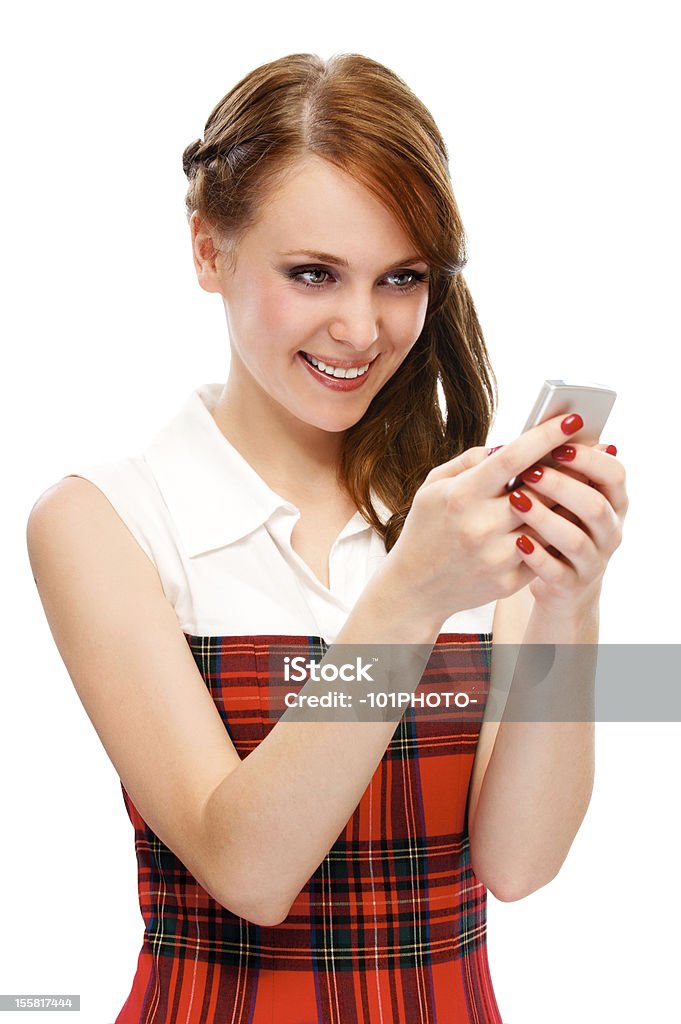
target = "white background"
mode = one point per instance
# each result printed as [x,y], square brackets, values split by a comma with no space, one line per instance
[562,127]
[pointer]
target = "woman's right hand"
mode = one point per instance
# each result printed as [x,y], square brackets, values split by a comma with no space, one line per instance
[457,547]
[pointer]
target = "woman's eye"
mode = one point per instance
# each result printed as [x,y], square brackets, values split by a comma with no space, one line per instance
[405,286]
[299,275]
[416,277]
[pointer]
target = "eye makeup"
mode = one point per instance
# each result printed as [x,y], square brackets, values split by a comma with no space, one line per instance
[417,277]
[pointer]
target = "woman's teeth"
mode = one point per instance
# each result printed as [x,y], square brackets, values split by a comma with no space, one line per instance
[336,371]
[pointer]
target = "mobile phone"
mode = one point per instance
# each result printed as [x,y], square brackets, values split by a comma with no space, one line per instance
[593,402]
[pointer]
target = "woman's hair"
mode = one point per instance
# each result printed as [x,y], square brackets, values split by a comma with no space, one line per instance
[362,117]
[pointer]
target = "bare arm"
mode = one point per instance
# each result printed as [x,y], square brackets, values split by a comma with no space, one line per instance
[539,779]
[250,831]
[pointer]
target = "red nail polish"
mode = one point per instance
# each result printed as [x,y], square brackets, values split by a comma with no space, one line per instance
[564,453]
[572,423]
[525,544]
[490,451]
[530,476]
[611,450]
[520,501]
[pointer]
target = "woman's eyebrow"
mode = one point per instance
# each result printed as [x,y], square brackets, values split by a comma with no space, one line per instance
[327,257]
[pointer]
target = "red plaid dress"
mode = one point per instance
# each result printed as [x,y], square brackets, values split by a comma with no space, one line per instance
[390,929]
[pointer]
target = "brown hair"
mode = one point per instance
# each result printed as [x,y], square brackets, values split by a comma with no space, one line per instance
[363,118]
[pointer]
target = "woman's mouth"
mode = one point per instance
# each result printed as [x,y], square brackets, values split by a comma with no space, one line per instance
[334,377]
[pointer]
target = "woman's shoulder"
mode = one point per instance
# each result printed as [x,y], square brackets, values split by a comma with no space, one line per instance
[129,488]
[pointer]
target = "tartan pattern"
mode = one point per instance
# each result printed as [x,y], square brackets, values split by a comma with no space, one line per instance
[390,928]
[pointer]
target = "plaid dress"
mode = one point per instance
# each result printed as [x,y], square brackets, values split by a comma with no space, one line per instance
[390,928]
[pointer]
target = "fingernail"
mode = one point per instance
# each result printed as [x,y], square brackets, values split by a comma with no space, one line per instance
[572,423]
[564,453]
[530,476]
[490,451]
[611,450]
[525,544]
[520,501]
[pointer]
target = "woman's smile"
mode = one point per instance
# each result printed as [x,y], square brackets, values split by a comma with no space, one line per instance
[336,378]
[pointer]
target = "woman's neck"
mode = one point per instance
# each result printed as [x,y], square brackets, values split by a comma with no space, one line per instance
[295,459]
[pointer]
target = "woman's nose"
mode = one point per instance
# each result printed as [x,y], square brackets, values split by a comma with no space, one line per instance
[356,322]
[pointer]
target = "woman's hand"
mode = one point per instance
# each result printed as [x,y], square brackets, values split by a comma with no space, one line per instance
[457,548]
[575,520]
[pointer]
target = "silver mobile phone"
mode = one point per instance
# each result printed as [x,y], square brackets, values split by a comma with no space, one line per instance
[593,402]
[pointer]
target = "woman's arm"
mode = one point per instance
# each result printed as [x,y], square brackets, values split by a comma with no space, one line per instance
[539,779]
[273,815]
[529,800]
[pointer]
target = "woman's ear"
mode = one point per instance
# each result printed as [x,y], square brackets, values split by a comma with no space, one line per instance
[205,253]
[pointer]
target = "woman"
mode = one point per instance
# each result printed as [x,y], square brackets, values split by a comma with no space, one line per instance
[321,868]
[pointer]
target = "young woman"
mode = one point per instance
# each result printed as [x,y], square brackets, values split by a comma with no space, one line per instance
[328,870]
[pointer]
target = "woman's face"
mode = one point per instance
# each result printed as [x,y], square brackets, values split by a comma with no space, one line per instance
[358,296]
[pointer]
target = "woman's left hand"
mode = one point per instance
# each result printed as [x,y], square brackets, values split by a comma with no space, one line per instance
[575,522]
